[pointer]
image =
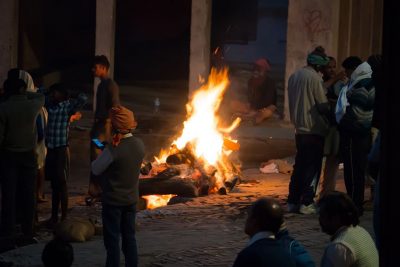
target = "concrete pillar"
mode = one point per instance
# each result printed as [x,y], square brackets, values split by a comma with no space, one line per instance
[8,37]
[200,37]
[310,23]
[105,35]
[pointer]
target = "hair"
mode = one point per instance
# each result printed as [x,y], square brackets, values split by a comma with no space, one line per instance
[58,253]
[319,51]
[331,58]
[101,60]
[375,61]
[268,214]
[351,62]
[59,87]
[340,204]
[13,84]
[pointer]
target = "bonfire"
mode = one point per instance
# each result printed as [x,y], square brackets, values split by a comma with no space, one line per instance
[198,160]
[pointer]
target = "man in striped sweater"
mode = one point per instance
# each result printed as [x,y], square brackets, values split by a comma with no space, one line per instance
[355,130]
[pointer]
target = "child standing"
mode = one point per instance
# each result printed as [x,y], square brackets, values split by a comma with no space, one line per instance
[60,110]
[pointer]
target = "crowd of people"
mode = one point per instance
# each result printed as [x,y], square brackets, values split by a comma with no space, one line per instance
[333,117]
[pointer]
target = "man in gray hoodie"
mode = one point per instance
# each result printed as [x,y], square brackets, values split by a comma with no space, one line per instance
[307,105]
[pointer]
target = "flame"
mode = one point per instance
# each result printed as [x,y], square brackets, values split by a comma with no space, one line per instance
[202,133]
[155,201]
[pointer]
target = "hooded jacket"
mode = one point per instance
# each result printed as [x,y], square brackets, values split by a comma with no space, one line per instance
[360,96]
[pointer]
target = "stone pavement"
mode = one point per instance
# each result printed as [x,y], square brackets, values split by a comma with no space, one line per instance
[204,231]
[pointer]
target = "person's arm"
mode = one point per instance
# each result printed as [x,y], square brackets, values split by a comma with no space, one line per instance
[340,76]
[321,100]
[114,92]
[337,255]
[77,103]
[102,162]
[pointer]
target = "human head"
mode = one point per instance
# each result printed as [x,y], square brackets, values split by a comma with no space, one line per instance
[261,67]
[350,64]
[336,209]
[14,85]
[122,120]
[329,70]
[58,253]
[58,92]
[317,59]
[101,65]
[266,214]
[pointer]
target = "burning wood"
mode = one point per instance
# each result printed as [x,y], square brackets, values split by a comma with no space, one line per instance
[198,162]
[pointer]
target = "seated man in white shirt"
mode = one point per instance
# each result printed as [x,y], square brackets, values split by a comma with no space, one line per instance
[351,245]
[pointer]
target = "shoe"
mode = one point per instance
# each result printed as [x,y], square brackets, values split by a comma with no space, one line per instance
[293,208]
[310,209]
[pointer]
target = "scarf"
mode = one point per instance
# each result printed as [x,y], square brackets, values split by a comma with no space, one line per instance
[363,71]
[122,121]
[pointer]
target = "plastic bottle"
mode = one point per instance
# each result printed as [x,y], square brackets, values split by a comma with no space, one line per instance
[157,105]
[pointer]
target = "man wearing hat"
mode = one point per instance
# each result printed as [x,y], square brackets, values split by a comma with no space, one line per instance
[118,166]
[308,106]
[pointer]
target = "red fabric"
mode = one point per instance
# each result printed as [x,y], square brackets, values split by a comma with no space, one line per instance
[263,64]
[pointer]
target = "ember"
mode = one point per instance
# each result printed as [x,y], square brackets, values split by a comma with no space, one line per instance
[155,201]
[199,157]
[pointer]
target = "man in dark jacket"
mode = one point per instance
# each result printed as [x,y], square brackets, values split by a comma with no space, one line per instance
[263,250]
[355,130]
[118,166]
[17,157]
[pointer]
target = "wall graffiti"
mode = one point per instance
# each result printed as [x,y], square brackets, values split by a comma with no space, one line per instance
[313,24]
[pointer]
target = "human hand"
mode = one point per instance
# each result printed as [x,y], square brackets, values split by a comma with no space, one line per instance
[341,76]
[77,116]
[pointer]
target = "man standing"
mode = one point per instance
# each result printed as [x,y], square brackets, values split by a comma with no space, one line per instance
[307,105]
[107,96]
[119,166]
[263,223]
[351,245]
[17,156]
[355,130]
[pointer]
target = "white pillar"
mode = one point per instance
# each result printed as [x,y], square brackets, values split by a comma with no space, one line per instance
[310,23]
[8,37]
[105,35]
[200,37]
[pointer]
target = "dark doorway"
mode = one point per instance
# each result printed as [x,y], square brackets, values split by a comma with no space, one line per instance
[152,40]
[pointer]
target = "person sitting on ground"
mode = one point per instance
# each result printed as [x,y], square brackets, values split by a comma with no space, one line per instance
[351,245]
[57,253]
[298,253]
[118,166]
[263,223]
[57,160]
[261,95]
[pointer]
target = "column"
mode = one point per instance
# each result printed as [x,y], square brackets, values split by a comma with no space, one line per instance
[8,37]
[200,37]
[105,35]
[310,23]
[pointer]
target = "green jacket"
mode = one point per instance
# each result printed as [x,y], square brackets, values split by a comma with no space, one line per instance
[18,121]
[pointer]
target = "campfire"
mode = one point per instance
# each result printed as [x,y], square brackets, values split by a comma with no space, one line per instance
[198,161]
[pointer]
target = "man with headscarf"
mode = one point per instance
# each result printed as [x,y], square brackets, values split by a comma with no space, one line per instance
[118,166]
[18,139]
[354,121]
[308,107]
[262,91]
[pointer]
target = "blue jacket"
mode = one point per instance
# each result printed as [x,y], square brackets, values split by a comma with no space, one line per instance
[298,253]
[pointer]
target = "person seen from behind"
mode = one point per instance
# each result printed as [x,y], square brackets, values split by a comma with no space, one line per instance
[351,245]
[264,220]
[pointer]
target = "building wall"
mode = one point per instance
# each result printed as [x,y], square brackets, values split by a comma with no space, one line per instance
[8,37]
[310,23]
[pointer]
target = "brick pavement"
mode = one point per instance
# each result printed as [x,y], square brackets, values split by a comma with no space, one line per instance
[206,231]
